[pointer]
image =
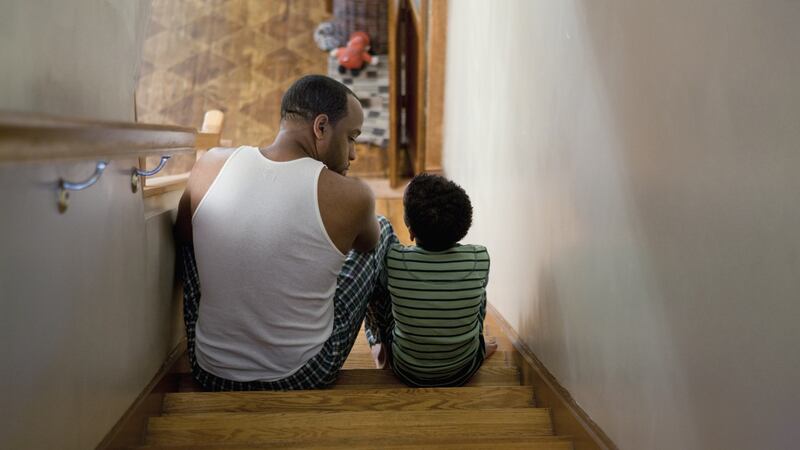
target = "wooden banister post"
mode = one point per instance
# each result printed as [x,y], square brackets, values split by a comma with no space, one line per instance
[212,125]
[212,121]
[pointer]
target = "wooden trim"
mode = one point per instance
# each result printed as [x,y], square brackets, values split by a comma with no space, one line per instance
[143,165]
[130,429]
[166,183]
[213,120]
[210,131]
[420,22]
[416,13]
[162,185]
[569,419]
[394,93]
[33,137]
[205,141]
[437,57]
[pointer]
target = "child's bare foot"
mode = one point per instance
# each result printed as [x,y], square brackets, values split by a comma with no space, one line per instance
[490,346]
[378,355]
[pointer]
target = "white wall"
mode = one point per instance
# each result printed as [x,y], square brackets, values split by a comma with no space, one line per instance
[634,170]
[86,308]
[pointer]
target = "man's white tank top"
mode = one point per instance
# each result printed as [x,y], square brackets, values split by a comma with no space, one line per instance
[267,268]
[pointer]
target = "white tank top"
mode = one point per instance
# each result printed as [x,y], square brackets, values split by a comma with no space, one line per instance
[267,267]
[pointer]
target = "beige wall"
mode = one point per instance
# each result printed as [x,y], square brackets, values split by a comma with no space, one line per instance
[86,300]
[76,58]
[634,169]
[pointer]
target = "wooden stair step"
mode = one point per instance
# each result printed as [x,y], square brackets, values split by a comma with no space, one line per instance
[362,359]
[384,378]
[491,327]
[344,428]
[374,378]
[406,399]
[530,443]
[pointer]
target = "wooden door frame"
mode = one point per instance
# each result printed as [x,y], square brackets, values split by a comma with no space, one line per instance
[394,94]
[420,18]
[430,23]
[435,85]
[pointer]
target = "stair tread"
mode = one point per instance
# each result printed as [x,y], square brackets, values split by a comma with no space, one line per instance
[403,399]
[361,358]
[373,378]
[344,427]
[384,378]
[532,443]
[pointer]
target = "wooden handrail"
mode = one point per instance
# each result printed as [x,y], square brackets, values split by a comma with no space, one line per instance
[207,140]
[209,136]
[162,185]
[34,138]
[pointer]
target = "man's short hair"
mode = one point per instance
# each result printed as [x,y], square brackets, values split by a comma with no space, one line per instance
[438,211]
[313,95]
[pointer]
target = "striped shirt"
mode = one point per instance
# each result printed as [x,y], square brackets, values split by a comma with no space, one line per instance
[438,304]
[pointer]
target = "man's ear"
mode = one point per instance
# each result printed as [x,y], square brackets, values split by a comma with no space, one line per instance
[321,126]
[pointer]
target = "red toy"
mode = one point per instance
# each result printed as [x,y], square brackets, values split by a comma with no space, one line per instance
[356,55]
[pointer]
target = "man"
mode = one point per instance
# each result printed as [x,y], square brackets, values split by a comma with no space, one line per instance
[285,249]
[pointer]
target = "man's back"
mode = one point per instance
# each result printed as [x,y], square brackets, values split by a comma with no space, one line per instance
[267,265]
[264,264]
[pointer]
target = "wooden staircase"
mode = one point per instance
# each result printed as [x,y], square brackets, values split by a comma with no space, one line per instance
[367,408]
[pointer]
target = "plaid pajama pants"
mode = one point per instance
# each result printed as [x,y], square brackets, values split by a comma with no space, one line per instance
[361,295]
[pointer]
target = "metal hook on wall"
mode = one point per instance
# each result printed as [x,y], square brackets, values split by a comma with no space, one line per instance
[65,186]
[146,173]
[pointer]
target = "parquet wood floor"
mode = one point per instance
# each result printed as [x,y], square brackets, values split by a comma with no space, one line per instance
[238,56]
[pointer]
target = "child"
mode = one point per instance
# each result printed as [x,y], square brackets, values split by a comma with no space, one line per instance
[438,289]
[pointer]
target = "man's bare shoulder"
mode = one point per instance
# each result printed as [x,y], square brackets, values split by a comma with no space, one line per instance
[214,159]
[352,193]
[347,206]
[205,171]
[210,164]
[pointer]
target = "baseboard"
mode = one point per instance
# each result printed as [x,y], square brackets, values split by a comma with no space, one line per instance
[569,419]
[129,430]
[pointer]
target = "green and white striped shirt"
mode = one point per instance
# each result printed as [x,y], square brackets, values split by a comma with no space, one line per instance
[438,304]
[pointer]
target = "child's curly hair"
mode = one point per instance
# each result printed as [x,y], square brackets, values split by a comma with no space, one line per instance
[438,211]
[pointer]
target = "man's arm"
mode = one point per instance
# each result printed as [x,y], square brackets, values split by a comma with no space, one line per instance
[183,222]
[369,233]
[347,206]
[204,173]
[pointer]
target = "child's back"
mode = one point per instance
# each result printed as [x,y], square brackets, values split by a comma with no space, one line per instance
[438,288]
[438,304]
